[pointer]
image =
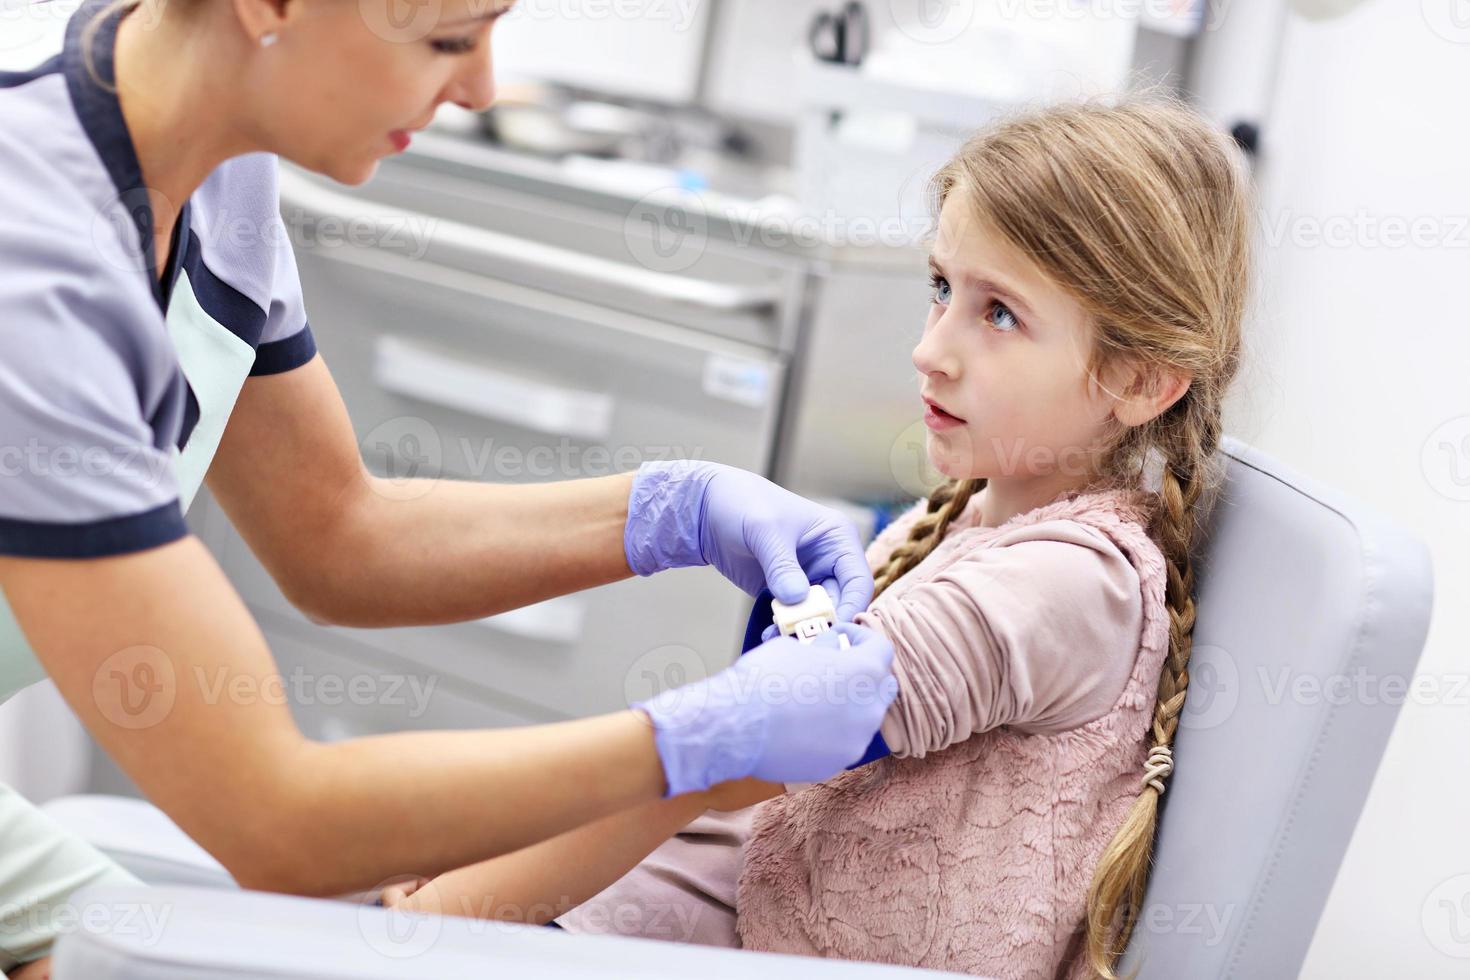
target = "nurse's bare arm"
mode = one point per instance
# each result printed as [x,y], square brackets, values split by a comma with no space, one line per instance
[160,659]
[352,549]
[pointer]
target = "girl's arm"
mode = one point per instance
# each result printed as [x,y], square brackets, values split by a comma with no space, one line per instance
[1038,631]
[539,883]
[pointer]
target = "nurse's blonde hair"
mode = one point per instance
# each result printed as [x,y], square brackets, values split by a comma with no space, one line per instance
[1142,212]
[89,36]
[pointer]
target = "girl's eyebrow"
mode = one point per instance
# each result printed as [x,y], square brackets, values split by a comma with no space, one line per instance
[988,285]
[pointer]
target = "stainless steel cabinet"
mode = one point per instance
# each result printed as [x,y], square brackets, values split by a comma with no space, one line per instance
[504,349]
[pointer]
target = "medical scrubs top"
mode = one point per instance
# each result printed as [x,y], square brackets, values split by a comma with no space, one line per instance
[114,388]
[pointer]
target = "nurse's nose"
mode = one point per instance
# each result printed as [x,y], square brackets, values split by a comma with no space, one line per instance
[473,87]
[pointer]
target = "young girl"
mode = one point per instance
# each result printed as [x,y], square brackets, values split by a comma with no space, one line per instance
[1089,276]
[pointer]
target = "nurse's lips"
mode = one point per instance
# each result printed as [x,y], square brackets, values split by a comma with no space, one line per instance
[935,417]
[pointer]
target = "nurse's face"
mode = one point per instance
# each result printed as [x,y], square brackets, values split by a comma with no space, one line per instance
[349,81]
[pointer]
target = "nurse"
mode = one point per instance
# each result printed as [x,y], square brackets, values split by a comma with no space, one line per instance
[152,335]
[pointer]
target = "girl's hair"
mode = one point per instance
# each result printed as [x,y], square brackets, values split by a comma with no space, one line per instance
[1141,211]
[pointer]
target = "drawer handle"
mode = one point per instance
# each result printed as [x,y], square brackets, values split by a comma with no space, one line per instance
[407,369]
[485,249]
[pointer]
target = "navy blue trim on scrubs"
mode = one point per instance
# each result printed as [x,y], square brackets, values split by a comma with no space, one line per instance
[15,79]
[286,354]
[95,101]
[92,86]
[177,259]
[191,416]
[238,313]
[112,536]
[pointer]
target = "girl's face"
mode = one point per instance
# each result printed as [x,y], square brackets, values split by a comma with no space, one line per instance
[1003,363]
[349,80]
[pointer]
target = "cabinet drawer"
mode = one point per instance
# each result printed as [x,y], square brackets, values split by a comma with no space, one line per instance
[338,691]
[470,377]
[658,257]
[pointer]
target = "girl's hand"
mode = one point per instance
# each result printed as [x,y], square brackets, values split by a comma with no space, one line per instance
[396,894]
[741,793]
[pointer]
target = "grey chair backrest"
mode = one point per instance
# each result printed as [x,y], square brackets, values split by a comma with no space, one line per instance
[1312,613]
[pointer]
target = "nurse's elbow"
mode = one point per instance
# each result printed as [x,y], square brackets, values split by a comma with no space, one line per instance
[258,876]
[280,839]
[315,600]
[281,859]
[272,876]
[325,605]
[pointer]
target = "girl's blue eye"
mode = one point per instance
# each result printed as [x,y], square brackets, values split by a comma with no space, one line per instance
[1009,323]
[454,45]
[939,287]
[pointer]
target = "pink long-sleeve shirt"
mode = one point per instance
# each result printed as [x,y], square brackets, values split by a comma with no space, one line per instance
[1010,642]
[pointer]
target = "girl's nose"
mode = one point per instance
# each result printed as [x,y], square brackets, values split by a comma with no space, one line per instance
[933,356]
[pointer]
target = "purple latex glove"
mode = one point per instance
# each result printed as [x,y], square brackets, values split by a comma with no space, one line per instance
[684,512]
[784,712]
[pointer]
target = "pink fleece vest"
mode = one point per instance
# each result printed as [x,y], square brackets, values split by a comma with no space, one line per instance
[977,858]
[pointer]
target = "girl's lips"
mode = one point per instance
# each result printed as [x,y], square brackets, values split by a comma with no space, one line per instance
[400,139]
[938,419]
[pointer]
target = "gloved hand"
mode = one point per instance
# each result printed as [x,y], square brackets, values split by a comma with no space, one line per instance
[685,512]
[784,712]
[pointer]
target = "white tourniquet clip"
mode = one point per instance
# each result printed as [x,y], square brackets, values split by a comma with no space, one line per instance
[807,619]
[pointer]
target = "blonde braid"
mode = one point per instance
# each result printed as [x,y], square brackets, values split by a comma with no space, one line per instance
[947,501]
[1116,893]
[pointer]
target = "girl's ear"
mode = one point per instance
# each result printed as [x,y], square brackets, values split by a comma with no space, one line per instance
[1144,392]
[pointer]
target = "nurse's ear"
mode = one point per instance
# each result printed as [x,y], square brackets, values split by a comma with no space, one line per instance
[1142,392]
[263,20]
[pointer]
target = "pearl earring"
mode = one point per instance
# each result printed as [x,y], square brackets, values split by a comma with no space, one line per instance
[266,40]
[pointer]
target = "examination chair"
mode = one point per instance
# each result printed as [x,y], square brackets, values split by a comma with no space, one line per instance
[1271,772]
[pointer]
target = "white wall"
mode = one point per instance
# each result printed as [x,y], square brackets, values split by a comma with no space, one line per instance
[1362,355]
[634,47]
[980,47]
[31,32]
